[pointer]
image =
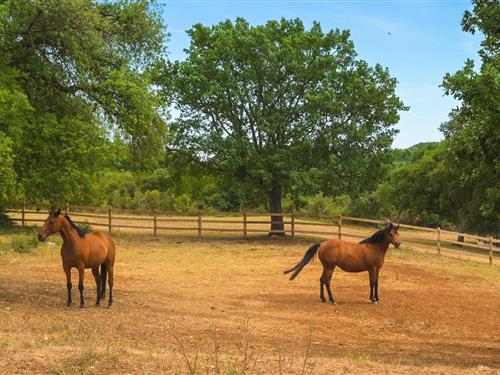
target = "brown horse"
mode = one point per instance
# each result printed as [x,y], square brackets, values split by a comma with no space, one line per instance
[368,255]
[80,250]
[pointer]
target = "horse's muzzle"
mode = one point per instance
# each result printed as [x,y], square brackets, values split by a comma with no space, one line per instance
[397,245]
[41,237]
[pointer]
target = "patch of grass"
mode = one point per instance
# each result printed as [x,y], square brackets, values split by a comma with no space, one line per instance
[358,357]
[399,322]
[79,364]
[24,243]
[441,263]
[231,371]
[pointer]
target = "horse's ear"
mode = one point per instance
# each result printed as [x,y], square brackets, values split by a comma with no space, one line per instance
[388,225]
[58,212]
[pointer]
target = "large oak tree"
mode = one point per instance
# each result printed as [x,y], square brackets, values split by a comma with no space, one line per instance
[279,106]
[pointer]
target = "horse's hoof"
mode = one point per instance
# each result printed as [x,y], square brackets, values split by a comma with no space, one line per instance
[323,301]
[374,302]
[98,304]
[82,306]
[333,302]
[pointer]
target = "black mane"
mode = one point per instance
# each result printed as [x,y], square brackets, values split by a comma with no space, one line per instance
[80,232]
[376,237]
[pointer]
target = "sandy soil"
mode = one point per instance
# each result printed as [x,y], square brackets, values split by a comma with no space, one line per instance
[221,306]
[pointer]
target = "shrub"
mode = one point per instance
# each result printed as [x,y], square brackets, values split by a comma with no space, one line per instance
[24,243]
[319,205]
[5,220]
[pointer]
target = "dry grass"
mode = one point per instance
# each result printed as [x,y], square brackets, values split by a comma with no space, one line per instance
[211,224]
[222,306]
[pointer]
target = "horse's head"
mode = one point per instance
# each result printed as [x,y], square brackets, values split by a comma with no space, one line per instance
[53,224]
[391,232]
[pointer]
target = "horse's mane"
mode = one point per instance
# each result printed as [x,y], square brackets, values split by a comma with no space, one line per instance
[80,232]
[376,237]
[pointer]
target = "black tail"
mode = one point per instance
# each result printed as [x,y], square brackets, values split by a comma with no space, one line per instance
[104,274]
[307,258]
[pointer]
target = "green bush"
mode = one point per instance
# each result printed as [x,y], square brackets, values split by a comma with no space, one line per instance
[321,206]
[24,243]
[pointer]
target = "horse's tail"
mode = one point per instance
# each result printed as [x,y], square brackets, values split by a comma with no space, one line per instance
[104,274]
[306,259]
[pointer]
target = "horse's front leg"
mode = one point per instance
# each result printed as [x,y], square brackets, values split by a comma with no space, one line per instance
[372,274]
[67,271]
[81,274]
[376,285]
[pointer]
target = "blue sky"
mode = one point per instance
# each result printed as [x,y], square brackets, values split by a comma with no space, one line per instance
[425,42]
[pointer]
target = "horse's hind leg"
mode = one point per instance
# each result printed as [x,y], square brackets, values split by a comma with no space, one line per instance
[110,283]
[322,281]
[95,272]
[328,276]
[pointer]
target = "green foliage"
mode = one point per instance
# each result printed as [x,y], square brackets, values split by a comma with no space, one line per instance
[7,174]
[473,132]
[278,109]
[72,74]
[321,206]
[24,243]
[402,156]
[455,183]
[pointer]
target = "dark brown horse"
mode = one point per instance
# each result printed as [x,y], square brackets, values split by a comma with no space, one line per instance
[80,250]
[368,255]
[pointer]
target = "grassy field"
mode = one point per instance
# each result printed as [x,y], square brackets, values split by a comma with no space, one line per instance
[231,226]
[223,306]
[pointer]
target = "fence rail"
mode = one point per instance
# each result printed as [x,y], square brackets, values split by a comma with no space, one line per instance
[248,223]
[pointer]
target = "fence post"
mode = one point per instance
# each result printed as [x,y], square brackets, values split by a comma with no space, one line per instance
[244,224]
[491,251]
[199,224]
[155,226]
[66,209]
[109,219]
[23,208]
[293,224]
[439,240]
[339,221]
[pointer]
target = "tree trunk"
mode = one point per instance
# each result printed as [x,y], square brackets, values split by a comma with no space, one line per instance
[277,226]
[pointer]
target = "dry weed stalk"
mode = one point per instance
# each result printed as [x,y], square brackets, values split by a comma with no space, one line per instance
[308,351]
[216,350]
[247,357]
[190,365]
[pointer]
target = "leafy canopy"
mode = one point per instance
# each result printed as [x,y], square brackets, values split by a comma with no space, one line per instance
[280,109]
[473,131]
[72,74]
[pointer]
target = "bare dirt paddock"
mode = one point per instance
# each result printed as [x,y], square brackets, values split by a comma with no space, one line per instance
[223,306]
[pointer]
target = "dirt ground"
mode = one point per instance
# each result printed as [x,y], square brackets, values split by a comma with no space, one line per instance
[222,306]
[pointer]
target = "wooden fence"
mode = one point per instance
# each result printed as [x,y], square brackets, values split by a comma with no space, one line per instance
[247,224]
